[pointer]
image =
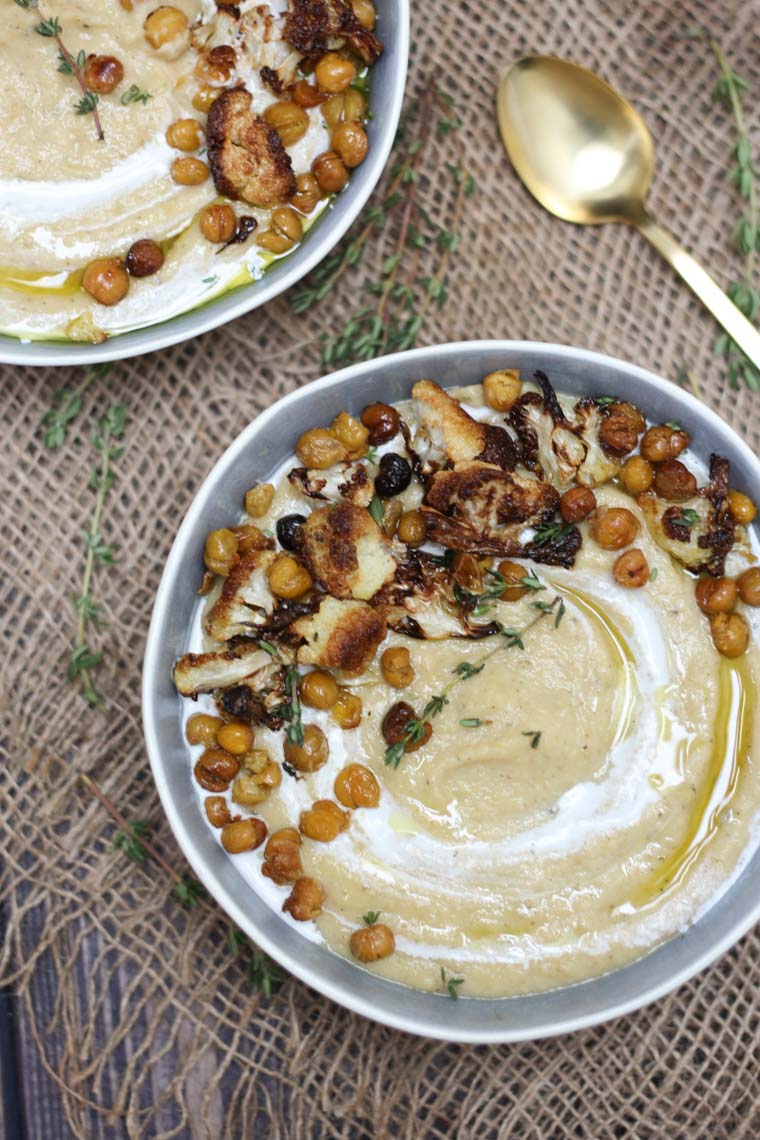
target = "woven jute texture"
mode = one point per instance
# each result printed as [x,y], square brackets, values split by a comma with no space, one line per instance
[144,1022]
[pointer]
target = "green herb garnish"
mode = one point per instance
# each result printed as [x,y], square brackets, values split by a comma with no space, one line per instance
[130,842]
[376,510]
[553,531]
[371,917]
[69,64]
[450,983]
[535,737]
[135,94]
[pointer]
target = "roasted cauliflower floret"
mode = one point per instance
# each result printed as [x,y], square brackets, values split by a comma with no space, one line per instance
[202,672]
[548,444]
[340,635]
[350,481]
[246,156]
[313,26]
[597,465]
[700,532]
[245,601]
[346,552]
[447,434]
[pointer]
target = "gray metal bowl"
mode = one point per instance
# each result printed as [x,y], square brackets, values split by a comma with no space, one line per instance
[253,456]
[388,79]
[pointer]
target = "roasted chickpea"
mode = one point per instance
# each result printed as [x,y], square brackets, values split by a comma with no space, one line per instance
[411,529]
[323,821]
[395,724]
[214,769]
[741,507]
[184,134]
[102,73]
[716,595]
[748,584]
[163,25]
[631,569]
[204,97]
[673,481]
[288,578]
[393,509]
[678,442]
[189,171]
[235,737]
[243,835]
[250,538]
[261,776]
[396,667]
[330,172]
[334,73]
[373,942]
[513,572]
[364,10]
[217,812]
[577,503]
[307,193]
[357,787]
[319,689]
[144,258]
[287,222]
[202,729]
[730,634]
[637,475]
[289,120]
[310,755]
[106,280]
[282,856]
[218,64]
[620,428]
[502,388]
[612,528]
[350,141]
[305,900]
[274,242]
[347,710]
[281,838]
[258,499]
[305,94]
[655,443]
[350,107]
[382,421]
[320,448]
[220,551]
[467,572]
[351,433]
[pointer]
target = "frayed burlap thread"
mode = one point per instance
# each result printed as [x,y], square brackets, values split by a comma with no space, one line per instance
[133,1018]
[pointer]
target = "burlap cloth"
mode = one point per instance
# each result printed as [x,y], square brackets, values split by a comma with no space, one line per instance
[144,1022]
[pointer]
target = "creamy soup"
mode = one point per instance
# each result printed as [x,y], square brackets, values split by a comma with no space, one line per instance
[71,199]
[588,787]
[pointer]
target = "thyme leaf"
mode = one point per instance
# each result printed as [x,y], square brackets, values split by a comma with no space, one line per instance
[371,917]
[450,983]
[535,737]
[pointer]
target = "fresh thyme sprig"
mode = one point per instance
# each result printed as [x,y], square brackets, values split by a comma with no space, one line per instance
[450,984]
[68,64]
[83,660]
[553,531]
[414,730]
[131,840]
[135,94]
[65,407]
[371,917]
[290,709]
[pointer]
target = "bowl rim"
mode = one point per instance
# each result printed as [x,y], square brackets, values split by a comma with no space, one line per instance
[352,999]
[228,306]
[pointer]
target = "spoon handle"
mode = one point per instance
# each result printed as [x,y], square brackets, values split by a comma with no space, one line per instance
[710,294]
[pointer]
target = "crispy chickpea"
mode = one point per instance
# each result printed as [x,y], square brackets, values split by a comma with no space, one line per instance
[631,569]
[288,578]
[282,856]
[286,221]
[184,134]
[352,434]
[289,120]
[730,634]
[274,242]
[716,595]
[217,65]
[323,821]
[320,448]
[319,689]
[305,900]
[189,171]
[306,94]
[163,25]
[741,507]
[396,667]
[250,538]
[106,280]
[357,787]
[278,839]
[307,193]
[673,481]
[144,258]
[204,97]
[502,388]
[330,172]
[395,724]
[372,942]
[261,776]
[382,421]
[235,737]
[393,509]
[202,729]
[220,550]
[102,73]
[411,529]
[310,755]
[612,528]
[217,812]
[577,503]
[678,442]
[347,710]
[243,835]
[655,443]
[214,769]
[513,572]
[637,475]
[258,499]
[350,141]
[350,107]
[334,73]
[620,428]
[364,10]
[748,584]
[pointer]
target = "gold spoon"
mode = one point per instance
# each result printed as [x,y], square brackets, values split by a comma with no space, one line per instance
[587,156]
